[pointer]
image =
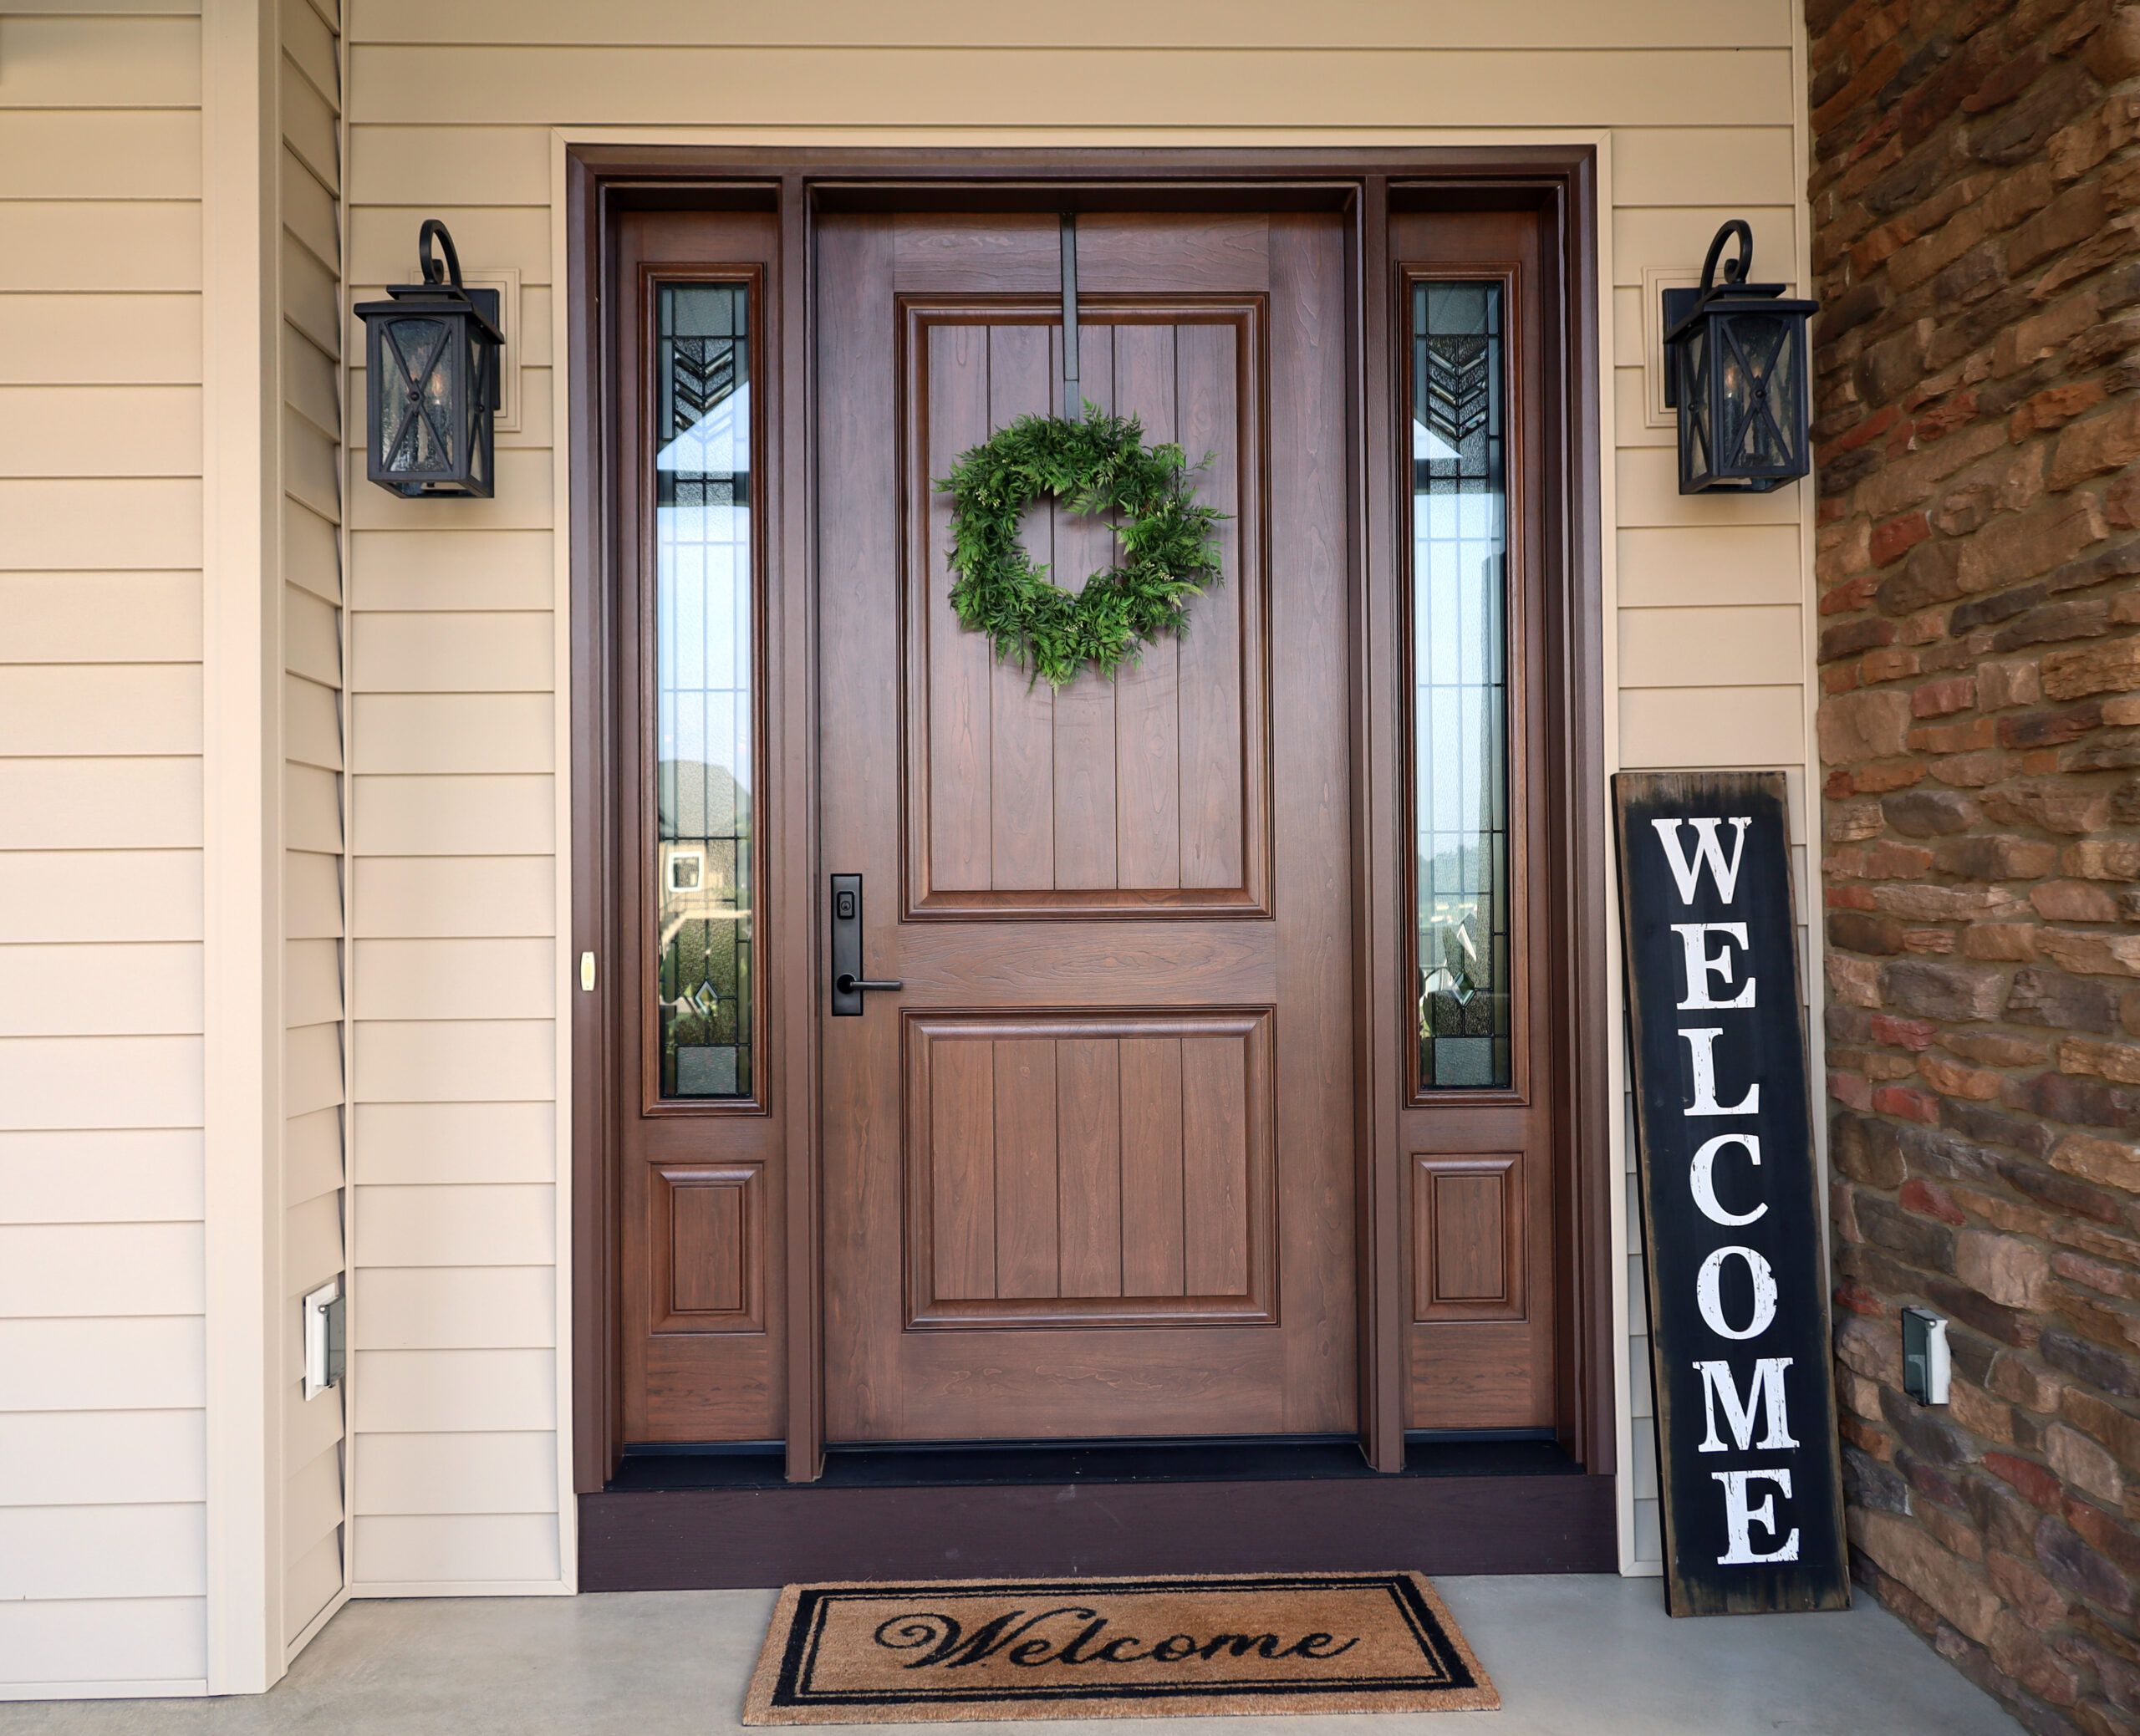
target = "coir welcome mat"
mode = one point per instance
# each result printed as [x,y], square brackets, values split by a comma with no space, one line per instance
[1301,1642]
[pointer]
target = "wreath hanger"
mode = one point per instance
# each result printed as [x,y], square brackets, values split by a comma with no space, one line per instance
[1069,312]
[1166,542]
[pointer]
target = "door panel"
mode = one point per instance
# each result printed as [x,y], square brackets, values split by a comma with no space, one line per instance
[1068,1169]
[1089,1172]
[1148,792]
[701,1144]
[1482,1342]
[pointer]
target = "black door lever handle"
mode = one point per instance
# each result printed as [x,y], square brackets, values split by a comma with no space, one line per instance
[849,984]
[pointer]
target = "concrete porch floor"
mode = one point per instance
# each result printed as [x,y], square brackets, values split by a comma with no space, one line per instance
[1572,1656]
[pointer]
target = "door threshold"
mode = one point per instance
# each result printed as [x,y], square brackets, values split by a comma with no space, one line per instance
[1055,1463]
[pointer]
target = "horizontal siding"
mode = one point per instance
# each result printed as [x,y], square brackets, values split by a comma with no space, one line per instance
[118,1270]
[100,153]
[55,61]
[314,828]
[153,1549]
[101,618]
[67,990]
[916,84]
[123,1364]
[452,675]
[79,1176]
[55,1643]
[1191,24]
[74,1459]
[437,1549]
[408,1474]
[107,710]
[100,430]
[417,1307]
[92,339]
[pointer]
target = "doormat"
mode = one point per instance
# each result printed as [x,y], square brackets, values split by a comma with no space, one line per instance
[1183,1646]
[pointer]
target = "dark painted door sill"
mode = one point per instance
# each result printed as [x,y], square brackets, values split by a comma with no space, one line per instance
[1057,1464]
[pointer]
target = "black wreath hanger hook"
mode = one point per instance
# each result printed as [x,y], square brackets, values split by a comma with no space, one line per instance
[1070,392]
[447,275]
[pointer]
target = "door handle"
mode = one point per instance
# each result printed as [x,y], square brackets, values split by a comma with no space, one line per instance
[849,984]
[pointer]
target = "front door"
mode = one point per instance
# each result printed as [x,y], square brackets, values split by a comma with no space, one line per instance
[1089,1171]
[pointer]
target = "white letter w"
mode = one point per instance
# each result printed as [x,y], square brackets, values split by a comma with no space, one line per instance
[1687,875]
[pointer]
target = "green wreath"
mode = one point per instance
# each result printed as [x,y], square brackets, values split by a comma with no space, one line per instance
[1169,546]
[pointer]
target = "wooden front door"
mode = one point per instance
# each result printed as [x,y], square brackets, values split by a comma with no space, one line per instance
[1089,1171]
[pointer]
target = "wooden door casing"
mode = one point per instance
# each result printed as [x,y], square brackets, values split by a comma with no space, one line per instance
[1123,933]
[610,188]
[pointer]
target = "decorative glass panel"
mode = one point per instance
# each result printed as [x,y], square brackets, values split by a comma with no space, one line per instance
[703,640]
[1460,671]
[416,434]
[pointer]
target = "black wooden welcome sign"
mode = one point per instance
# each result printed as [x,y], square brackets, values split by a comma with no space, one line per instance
[1732,1210]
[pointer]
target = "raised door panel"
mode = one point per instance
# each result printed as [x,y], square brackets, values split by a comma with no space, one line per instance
[1146,795]
[1073,1170]
[707,1243]
[1467,1234]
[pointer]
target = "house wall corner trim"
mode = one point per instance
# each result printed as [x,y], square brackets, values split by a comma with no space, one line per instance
[241,917]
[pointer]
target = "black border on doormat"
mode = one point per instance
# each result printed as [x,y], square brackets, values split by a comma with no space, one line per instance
[784,1689]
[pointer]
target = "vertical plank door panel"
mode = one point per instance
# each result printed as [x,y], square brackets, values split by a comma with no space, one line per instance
[1089,1079]
[1028,1245]
[1085,760]
[1152,1251]
[960,674]
[1205,368]
[1022,711]
[962,1167]
[1147,726]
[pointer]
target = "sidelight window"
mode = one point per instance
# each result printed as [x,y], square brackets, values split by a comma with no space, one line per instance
[1459,698]
[703,678]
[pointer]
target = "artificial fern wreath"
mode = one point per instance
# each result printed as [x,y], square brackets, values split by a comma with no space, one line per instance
[1168,544]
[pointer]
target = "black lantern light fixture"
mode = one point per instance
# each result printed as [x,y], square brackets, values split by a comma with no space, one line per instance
[431,377]
[1735,368]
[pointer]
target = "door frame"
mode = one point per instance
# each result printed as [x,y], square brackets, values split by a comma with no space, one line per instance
[1560,183]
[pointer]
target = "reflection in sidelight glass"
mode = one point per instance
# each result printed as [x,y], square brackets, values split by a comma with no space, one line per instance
[702,678]
[1460,672]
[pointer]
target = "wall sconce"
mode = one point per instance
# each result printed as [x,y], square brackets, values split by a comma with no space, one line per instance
[431,379]
[1735,368]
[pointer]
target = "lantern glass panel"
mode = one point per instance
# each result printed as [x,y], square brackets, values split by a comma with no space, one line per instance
[1693,400]
[1758,389]
[420,406]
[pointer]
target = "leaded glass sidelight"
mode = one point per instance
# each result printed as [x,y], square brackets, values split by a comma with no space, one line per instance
[1459,674]
[703,662]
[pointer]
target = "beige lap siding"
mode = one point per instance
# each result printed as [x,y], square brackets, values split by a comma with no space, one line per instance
[103,1480]
[458,1139]
[308,188]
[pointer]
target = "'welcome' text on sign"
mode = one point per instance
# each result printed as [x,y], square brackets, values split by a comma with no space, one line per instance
[1731,1227]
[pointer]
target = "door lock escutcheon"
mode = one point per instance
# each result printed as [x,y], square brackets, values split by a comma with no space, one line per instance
[849,984]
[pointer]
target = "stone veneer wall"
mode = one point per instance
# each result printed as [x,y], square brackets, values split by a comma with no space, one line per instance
[1975,192]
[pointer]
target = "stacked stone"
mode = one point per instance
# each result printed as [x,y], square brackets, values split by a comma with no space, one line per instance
[1976,193]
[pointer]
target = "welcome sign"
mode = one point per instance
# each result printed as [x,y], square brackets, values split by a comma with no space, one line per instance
[1746,1441]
